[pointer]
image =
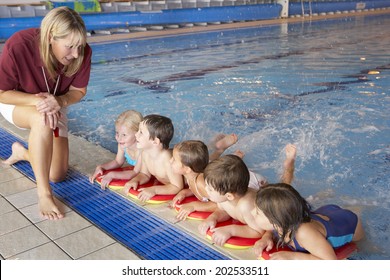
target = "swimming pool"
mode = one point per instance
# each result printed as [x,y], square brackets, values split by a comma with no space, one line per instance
[322,85]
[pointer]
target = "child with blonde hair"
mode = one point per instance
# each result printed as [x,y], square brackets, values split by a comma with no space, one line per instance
[126,126]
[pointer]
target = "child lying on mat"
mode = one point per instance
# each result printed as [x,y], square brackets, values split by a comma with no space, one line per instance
[126,125]
[190,158]
[227,180]
[282,211]
[153,138]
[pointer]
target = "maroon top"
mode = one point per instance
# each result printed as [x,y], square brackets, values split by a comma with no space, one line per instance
[21,66]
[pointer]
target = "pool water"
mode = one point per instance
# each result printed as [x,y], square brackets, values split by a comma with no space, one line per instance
[322,85]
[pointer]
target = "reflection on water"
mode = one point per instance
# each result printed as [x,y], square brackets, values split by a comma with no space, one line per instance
[321,85]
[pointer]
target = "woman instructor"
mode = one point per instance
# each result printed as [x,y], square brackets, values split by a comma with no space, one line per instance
[43,71]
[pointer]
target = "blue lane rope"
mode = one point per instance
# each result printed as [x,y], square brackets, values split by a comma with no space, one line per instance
[147,235]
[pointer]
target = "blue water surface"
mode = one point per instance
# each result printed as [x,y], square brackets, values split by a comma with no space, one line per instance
[322,85]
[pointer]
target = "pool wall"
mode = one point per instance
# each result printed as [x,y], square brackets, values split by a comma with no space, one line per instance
[99,21]
[296,8]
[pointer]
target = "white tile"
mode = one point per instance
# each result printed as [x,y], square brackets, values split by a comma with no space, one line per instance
[72,222]
[84,242]
[24,199]
[115,251]
[20,241]
[5,206]
[9,174]
[48,251]
[12,221]
[16,186]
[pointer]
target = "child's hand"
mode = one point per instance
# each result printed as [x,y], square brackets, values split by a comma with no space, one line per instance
[131,185]
[106,180]
[184,211]
[220,235]
[206,225]
[98,171]
[178,198]
[146,194]
[282,255]
[263,244]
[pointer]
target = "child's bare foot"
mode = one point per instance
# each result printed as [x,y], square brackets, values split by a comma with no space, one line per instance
[289,164]
[224,141]
[291,151]
[239,153]
[49,209]
[18,152]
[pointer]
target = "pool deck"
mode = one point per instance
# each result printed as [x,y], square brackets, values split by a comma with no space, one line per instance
[25,235]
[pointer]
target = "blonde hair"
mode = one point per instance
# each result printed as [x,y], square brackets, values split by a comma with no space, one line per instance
[130,119]
[57,24]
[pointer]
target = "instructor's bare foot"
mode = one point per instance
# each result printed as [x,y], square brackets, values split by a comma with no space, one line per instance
[224,141]
[49,209]
[18,152]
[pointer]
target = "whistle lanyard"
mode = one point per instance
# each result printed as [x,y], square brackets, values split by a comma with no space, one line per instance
[47,85]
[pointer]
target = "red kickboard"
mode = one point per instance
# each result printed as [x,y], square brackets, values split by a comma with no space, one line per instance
[118,184]
[342,252]
[159,198]
[196,215]
[235,242]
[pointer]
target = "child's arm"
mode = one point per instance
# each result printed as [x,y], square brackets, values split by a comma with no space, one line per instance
[289,164]
[147,193]
[218,215]
[181,196]
[119,175]
[115,163]
[139,179]
[143,176]
[174,185]
[222,234]
[265,243]
[313,241]
[190,207]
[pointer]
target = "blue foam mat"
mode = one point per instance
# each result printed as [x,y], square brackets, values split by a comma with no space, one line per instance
[142,232]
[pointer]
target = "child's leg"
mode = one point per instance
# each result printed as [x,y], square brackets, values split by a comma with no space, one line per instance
[289,164]
[359,231]
[220,143]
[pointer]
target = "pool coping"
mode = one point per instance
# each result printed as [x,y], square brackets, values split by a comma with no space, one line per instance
[227,26]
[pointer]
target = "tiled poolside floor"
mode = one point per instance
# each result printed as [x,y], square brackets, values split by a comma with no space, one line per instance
[25,235]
